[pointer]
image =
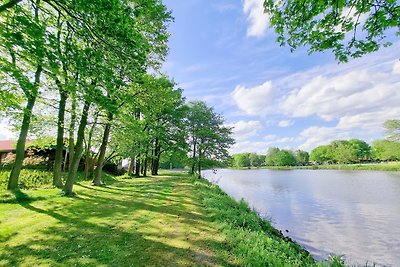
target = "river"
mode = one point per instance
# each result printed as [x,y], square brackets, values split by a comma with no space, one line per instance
[351,213]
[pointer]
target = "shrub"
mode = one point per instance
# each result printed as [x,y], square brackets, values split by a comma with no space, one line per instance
[28,179]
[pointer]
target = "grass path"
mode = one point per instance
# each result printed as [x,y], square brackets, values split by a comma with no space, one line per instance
[155,221]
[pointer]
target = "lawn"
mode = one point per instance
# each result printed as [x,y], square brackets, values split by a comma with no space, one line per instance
[169,220]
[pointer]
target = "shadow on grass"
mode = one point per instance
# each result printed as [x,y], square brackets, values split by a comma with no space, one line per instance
[17,196]
[95,229]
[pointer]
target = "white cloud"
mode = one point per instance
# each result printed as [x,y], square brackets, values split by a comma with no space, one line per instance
[255,100]
[347,94]
[249,146]
[261,147]
[245,129]
[285,123]
[396,67]
[315,136]
[258,20]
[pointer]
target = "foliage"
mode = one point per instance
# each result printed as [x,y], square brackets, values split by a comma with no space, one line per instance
[392,128]
[95,56]
[278,157]
[42,143]
[208,137]
[386,150]
[301,157]
[32,178]
[241,160]
[320,154]
[256,160]
[342,151]
[381,166]
[174,159]
[247,160]
[29,179]
[348,28]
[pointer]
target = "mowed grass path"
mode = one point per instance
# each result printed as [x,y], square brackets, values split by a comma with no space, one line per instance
[156,221]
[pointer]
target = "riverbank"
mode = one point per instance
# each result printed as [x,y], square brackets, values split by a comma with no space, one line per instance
[386,166]
[169,220]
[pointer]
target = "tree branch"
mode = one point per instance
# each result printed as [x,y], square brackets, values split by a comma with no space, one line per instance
[8,5]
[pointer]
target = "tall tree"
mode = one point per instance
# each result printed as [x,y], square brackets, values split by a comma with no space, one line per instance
[348,28]
[22,38]
[209,139]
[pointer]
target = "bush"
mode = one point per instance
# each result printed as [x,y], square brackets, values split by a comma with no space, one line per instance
[113,169]
[28,179]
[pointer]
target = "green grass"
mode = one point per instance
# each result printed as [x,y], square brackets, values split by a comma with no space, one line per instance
[386,166]
[169,220]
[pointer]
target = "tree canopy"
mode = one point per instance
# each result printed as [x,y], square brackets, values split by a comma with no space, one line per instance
[91,71]
[349,28]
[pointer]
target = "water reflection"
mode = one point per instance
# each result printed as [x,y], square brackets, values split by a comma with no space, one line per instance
[351,213]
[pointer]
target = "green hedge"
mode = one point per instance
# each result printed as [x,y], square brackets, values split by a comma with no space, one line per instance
[28,179]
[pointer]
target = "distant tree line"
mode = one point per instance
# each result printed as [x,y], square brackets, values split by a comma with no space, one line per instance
[337,152]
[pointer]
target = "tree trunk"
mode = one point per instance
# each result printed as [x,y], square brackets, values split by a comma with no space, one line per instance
[199,167]
[137,166]
[71,142]
[200,156]
[131,166]
[157,165]
[156,159]
[98,172]
[60,140]
[194,156]
[74,164]
[20,149]
[88,159]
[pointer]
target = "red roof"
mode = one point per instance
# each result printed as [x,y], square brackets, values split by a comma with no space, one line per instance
[7,145]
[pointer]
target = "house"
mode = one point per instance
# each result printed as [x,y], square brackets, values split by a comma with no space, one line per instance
[6,146]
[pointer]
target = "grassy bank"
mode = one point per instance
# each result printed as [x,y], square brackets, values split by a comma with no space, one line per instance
[386,166]
[169,220]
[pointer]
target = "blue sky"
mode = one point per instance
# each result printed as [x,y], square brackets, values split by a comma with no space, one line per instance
[224,53]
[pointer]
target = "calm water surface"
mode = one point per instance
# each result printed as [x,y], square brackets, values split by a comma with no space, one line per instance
[350,213]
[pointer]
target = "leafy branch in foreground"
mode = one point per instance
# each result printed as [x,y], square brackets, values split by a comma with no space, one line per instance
[348,28]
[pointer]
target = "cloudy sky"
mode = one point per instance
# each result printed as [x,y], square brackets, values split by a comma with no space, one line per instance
[224,53]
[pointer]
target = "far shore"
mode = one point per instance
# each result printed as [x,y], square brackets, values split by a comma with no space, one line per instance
[384,166]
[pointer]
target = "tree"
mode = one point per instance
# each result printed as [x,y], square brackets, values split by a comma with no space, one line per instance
[301,157]
[362,148]
[348,28]
[209,139]
[344,153]
[242,160]
[280,157]
[256,160]
[269,158]
[392,128]
[321,154]
[385,150]
[22,37]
